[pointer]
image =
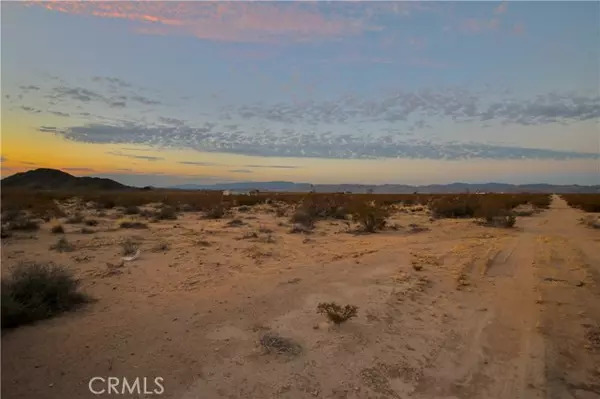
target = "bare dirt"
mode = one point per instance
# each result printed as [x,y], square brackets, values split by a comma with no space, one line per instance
[456,311]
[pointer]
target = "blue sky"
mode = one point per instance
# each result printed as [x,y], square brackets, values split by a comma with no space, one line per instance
[366,92]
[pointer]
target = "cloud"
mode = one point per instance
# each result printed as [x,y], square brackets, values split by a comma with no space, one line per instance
[29,87]
[197,163]
[78,169]
[120,83]
[501,9]
[144,157]
[2,159]
[239,21]
[240,171]
[381,126]
[30,109]
[273,166]
[519,29]
[58,113]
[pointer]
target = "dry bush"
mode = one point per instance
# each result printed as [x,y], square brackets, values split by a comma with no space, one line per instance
[162,246]
[585,202]
[62,245]
[57,229]
[218,211]
[304,218]
[591,221]
[75,218]
[244,209]
[337,313]
[37,291]
[23,223]
[166,213]
[273,343]
[454,206]
[91,222]
[132,210]
[85,230]
[280,212]
[129,247]
[235,223]
[370,216]
[132,224]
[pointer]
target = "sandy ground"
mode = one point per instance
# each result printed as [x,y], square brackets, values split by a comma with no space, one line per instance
[492,313]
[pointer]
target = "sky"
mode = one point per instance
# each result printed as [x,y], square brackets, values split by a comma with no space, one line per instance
[166,93]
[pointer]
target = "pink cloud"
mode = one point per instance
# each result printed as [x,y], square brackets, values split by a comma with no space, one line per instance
[519,29]
[222,21]
[501,9]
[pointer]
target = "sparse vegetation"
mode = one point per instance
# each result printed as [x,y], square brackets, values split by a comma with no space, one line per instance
[75,219]
[62,245]
[85,230]
[585,202]
[91,222]
[337,313]
[372,217]
[235,223]
[132,210]
[161,246]
[132,224]
[23,223]
[37,291]
[129,247]
[166,213]
[273,343]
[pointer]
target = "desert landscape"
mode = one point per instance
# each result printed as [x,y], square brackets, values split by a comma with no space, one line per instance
[220,295]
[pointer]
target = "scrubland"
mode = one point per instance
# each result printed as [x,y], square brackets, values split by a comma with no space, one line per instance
[296,295]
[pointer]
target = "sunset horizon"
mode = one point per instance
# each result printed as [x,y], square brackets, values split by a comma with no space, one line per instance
[416,93]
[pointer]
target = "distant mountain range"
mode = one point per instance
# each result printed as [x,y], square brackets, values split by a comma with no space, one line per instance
[282,186]
[53,179]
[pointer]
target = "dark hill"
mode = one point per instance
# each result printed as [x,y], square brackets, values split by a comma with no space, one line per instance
[53,179]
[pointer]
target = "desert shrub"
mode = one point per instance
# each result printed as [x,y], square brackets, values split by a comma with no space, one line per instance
[235,223]
[75,218]
[12,215]
[129,247]
[186,208]
[4,233]
[585,202]
[37,291]
[337,313]
[85,230]
[132,210]
[371,217]
[541,201]
[216,212]
[166,213]
[273,343]
[23,223]
[62,245]
[57,229]
[161,246]
[591,221]
[244,209]
[132,224]
[303,217]
[265,230]
[454,206]
[280,212]
[91,222]
[300,228]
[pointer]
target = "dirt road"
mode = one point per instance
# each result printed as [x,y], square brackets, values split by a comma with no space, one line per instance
[460,311]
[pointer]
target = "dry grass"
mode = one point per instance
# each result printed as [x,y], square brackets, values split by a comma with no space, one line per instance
[273,343]
[62,245]
[337,313]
